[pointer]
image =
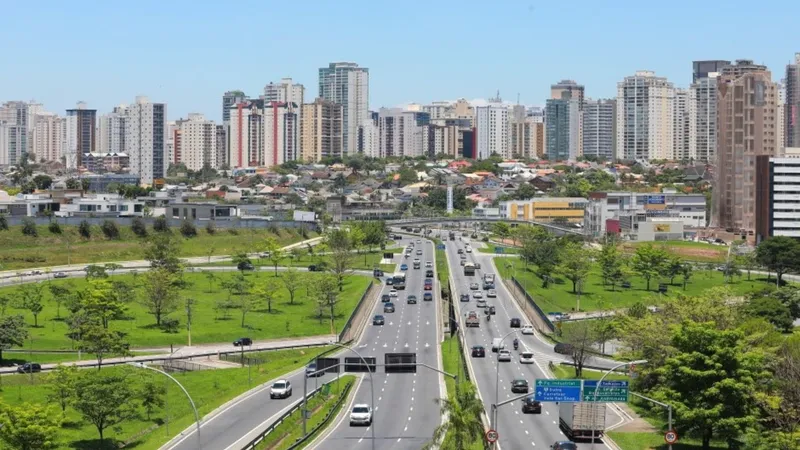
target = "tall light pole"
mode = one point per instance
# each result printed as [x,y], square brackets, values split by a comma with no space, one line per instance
[599,383]
[497,381]
[196,416]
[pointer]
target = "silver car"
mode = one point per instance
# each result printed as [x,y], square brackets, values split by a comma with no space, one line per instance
[491,293]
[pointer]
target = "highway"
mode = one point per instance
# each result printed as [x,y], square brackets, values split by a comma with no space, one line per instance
[405,414]
[516,430]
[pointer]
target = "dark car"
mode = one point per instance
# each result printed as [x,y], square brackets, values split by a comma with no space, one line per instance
[29,368]
[241,342]
[429,273]
[464,297]
[378,320]
[562,348]
[311,370]
[245,265]
[388,307]
[460,251]
[389,281]
[564,445]
[386,298]
[411,299]
[531,406]
[427,296]
[478,351]
[377,273]
[516,323]
[313,268]
[519,386]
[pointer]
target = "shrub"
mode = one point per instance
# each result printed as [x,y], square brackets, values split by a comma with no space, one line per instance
[304,232]
[3,223]
[188,229]
[138,227]
[170,325]
[161,225]
[29,227]
[110,229]
[274,229]
[85,230]
[211,228]
[233,231]
[54,228]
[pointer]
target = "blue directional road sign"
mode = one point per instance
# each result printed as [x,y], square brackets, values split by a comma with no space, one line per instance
[558,390]
[440,246]
[609,391]
[499,250]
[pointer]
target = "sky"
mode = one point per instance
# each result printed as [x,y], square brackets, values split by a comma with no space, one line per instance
[187,53]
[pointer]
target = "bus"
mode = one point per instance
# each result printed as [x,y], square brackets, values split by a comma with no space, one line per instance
[469,269]
[399,280]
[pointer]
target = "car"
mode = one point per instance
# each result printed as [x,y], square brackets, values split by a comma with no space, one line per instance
[428,284]
[419,251]
[564,445]
[280,389]
[60,275]
[527,329]
[460,251]
[429,273]
[403,266]
[478,351]
[463,257]
[428,264]
[463,262]
[241,342]
[474,286]
[515,322]
[378,320]
[417,262]
[427,296]
[311,370]
[519,386]
[491,293]
[245,265]
[388,307]
[477,294]
[531,406]
[504,356]
[464,297]
[390,281]
[29,368]
[313,268]
[393,293]
[469,249]
[361,414]
[490,310]
[481,303]
[411,299]
[526,358]
[385,298]
[563,348]
[419,241]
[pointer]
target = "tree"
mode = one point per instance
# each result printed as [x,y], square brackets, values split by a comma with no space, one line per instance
[649,261]
[30,296]
[576,262]
[160,294]
[323,290]
[95,271]
[292,280]
[188,230]
[5,300]
[211,277]
[211,229]
[240,259]
[3,223]
[162,250]
[580,337]
[101,302]
[60,385]
[638,310]
[711,402]
[138,227]
[274,252]
[357,237]
[502,230]
[72,184]
[12,333]
[464,426]
[789,296]
[85,229]
[687,269]
[105,399]
[748,262]
[604,329]
[152,395]
[267,292]
[340,247]
[611,262]
[100,342]
[779,254]
[246,303]
[54,228]
[110,229]
[673,267]
[544,253]
[161,225]
[29,227]
[29,426]
[771,309]
[58,294]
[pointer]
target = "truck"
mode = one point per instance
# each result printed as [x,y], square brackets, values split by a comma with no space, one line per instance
[469,269]
[452,235]
[473,320]
[488,281]
[399,280]
[582,420]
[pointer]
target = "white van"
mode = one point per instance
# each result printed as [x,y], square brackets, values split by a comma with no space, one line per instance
[497,344]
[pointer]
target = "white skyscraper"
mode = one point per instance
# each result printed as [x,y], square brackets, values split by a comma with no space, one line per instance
[48,136]
[491,127]
[146,139]
[14,131]
[246,136]
[284,91]
[198,142]
[347,84]
[402,133]
[645,109]
[703,103]
[369,139]
[684,125]
[111,131]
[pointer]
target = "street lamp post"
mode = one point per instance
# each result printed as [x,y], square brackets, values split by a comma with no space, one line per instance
[599,383]
[497,382]
[196,415]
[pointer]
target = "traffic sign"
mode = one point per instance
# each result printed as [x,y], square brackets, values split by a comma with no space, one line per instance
[609,391]
[499,250]
[558,390]
[492,436]
[440,247]
[671,437]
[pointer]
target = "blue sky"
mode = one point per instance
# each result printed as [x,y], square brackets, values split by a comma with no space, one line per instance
[187,53]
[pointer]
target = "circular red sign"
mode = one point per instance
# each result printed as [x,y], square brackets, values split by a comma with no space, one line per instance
[671,437]
[492,436]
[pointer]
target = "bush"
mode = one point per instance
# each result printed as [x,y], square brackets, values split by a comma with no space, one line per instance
[29,227]
[54,228]
[161,225]
[211,228]
[138,227]
[85,230]
[188,229]
[233,231]
[110,229]
[3,223]
[170,325]
[274,230]
[304,232]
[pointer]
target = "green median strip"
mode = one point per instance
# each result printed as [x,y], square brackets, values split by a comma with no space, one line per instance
[453,362]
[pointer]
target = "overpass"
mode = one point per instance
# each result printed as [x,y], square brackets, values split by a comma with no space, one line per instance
[438,220]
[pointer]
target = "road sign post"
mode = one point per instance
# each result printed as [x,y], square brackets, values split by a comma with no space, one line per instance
[671,437]
[558,390]
[609,391]
[492,436]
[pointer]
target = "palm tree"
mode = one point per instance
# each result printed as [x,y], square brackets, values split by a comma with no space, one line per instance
[463,425]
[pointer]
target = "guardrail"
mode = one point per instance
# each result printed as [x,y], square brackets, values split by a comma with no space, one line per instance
[536,307]
[258,439]
[238,359]
[359,305]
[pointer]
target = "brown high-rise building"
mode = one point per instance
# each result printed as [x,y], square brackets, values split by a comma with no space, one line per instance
[791,116]
[746,128]
[321,132]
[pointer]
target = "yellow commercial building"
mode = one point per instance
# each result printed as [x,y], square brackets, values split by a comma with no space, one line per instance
[545,209]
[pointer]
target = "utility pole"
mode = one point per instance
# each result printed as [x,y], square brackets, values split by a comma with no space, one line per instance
[189,304]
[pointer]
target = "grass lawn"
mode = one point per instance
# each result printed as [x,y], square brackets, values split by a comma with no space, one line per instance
[452,362]
[208,388]
[442,268]
[363,261]
[566,372]
[647,441]
[18,251]
[208,325]
[558,297]
[693,251]
[490,248]
[319,406]
[16,358]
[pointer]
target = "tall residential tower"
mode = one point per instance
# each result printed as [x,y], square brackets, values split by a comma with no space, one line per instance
[348,85]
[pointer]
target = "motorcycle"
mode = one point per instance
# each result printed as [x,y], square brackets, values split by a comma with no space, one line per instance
[488,317]
[516,344]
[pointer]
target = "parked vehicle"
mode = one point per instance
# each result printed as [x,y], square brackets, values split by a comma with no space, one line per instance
[582,420]
[242,342]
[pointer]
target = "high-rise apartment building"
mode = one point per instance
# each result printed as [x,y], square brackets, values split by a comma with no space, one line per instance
[645,108]
[14,129]
[563,122]
[281,133]
[599,128]
[347,84]
[791,120]
[246,134]
[174,141]
[48,137]
[146,139]
[703,115]
[525,137]
[284,91]
[222,146]
[80,135]
[569,89]
[321,130]
[703,69]
[198,142]
[746,115]
[780,117]
[111,129]
[491,130]
[402,133]
[369,139]
[683,128]
[229,99]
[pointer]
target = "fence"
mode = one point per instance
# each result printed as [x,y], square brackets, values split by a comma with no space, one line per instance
[238,358]
[347,326]
[258,439]
[219,222]
[180,365]
[548,323]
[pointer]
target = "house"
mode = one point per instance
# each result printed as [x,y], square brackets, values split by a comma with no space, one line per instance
[543,183]
[201,211]
[458,165]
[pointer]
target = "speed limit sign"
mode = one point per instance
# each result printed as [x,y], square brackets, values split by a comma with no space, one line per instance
[491,436]
[671,437]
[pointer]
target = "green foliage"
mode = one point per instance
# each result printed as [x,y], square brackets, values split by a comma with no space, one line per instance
[104,398]
[437,199]
[60,384]
[575,264]
[543,250]
[771,309]
[138,227]
[638,310]
[152,395]
[612,266]
[29,427]
[110,229]
[292,281]
[3,223]
[85,229]
[161,225]
[13,332]
[95,271]
[42,182]
[54,228]
[274,252]
[779,254]
[161,251]
[188,230]
[464,426]
[30,296]
[649,261]
[160,294]
[211,228]
[101,342]
[101,302]
[29,227]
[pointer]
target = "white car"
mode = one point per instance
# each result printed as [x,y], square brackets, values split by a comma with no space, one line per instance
[526,358]
[491,293]
[504,356]
[361,415]
[419,251]
[481,303]
[60,275]
[281,389]
[469,249]
[527,329]
[428,264]
[477,294]
[393,293]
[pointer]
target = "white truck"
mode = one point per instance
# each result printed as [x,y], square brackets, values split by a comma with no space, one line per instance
[488,281]
[582,420]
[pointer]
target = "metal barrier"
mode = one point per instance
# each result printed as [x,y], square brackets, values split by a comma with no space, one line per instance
[532,302]
[180,365]
[237,358]
[349,323]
